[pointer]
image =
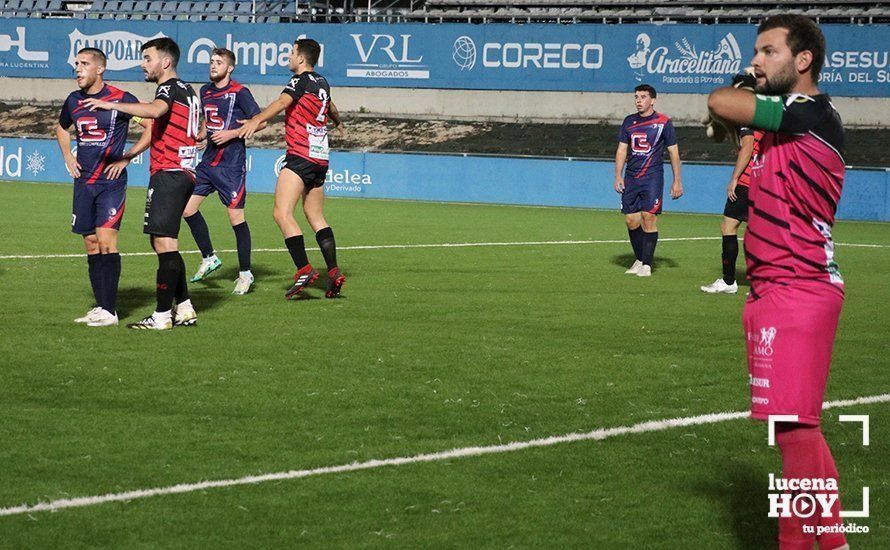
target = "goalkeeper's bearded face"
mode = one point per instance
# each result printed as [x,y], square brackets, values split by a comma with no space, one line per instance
[775,66]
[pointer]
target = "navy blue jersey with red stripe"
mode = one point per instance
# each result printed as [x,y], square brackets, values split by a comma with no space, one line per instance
[223,108]
[646,137]
[306,119]
[173,135]
[101,135]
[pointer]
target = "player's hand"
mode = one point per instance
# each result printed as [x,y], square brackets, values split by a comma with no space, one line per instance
[248,129]
[745,80]
[223,136]
[677,189]
[73,166]
[94,104]
[619,184]
[114,170]
[715,129]
[730,190]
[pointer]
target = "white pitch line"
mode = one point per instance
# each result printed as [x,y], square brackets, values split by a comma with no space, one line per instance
[407,246]
[463,452]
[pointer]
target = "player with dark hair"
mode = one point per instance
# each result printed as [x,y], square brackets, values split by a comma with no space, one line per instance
[735,212]
[797,292]
[176,114]
[641,182]
[307,100]
[100,177]
[223,167]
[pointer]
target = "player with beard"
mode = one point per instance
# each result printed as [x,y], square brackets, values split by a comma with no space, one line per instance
[797,292]
[176,114]
[100,177]
[307,101]
[223,167]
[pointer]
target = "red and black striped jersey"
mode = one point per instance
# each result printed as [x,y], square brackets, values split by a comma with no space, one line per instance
[306,129]
[173,135]
[745,177]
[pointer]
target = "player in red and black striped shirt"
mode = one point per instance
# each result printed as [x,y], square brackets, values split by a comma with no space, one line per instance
[307,101]
[176,112]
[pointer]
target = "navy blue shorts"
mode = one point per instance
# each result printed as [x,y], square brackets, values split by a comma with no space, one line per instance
[230,183]
[98,205]
[643,195]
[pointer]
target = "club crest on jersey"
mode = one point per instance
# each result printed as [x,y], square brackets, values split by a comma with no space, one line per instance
[765,346]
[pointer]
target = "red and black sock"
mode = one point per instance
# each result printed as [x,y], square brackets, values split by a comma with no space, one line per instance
[182,287]
[730,254]
[167,279]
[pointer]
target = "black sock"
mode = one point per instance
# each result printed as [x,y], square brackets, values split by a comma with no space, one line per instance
[649,242]
[167,279]
[636,241]
[325,239]
[242,238]
[730,253]
[201,233]
[182,288]
[111,276]
[297,249]
[95,270]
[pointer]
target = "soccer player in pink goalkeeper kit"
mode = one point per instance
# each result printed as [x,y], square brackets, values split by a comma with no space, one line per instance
[797,291]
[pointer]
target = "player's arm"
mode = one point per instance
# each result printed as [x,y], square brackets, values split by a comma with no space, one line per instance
[746,149]
[64,139]
[620,160]
[334,115]
[252,126]
[114,169]
[735,106]
[155,109]
[677,186]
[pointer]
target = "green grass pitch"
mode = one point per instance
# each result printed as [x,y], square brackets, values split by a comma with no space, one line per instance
[429,349]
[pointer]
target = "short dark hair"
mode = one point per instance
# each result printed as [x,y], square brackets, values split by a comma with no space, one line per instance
[803,34]
[164,45]
[310,48]
[97,54]
[648,89]
[223,52]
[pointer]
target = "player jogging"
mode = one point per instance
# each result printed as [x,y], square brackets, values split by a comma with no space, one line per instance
[223,167]
[736,209]
[176,114]
[792,311]
[641,182]
[100,177]
[307,101]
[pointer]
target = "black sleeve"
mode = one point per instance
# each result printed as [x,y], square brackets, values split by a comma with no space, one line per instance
[295,88]
[745,131]
[165,93]
[65,116]
[801,114]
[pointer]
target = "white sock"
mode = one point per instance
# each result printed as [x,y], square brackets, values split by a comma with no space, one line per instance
[186,305]
[246,274]
[210,259]
[163,315]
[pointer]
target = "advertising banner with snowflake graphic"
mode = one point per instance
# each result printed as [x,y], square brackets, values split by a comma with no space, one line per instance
[582,57]
[585,184]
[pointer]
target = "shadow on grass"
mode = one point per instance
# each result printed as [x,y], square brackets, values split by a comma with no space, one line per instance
[625,261]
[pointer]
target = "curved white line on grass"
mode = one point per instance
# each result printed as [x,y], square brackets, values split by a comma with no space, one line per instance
[463,452]
[405,246]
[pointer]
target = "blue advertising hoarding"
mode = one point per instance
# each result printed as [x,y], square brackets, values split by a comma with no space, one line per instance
[582,57]
[496,180]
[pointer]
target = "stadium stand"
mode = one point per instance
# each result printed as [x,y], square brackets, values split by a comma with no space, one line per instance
[443,11]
